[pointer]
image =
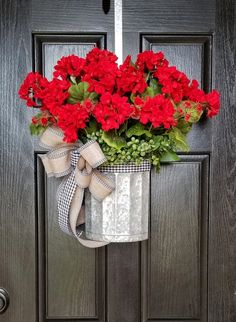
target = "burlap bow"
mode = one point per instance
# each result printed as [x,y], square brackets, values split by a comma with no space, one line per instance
[80,163]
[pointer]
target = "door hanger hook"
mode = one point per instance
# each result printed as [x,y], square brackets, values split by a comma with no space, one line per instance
[106,6]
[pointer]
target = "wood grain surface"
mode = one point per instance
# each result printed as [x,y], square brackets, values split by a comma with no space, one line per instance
[17,216]
[187,270]
[222,234]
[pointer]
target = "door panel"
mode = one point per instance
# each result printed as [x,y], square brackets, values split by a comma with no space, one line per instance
[70,275]
[176,254]
[123,278]
[17,212]
[186,270]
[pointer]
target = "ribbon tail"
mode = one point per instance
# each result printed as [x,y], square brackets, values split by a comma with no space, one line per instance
[76,218]
[70,199]
[65,195]
[75,214]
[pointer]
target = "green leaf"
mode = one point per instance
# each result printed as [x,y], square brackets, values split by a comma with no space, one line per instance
[93,96]
[36,129]
[78,92]
[122,129]
[179,138]
[113,140]
[91,127]
[169,156]
[148,92]
[184,126]
[194,115]
[132,97]
[72,100]
[155,86]
[157,141]
[137,130]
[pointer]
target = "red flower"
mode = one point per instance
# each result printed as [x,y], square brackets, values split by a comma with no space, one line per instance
[194,93]
[210,101]
[34,120]
[43,118]
[117,87]
[159,111]
[130,80]
[55,95]
[44,121]
[101,70]
[150,61]
[32,88]
[71,118]
[213,103]
[112,111]
[71,65]
[97,55]
[174,83]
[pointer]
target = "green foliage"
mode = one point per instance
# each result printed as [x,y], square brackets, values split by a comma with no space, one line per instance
[132,97]
[179,138]
[79,92]
[152,90]
[169,156]
[157,139]
[113,140]
[194,115]
[155,86]
[36,129]
[137,130]
[184,126]
[135,149]
[91,127]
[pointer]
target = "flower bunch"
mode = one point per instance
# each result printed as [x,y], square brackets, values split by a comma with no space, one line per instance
[136,111]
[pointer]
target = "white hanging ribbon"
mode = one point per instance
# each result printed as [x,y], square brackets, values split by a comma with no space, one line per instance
[118,31]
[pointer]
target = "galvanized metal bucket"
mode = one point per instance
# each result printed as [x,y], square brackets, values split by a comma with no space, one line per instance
[122,216]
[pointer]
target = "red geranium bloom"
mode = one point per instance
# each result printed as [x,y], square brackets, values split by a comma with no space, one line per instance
[32,88]
[150,61]
[71,65]
[116,87]
[101,70]
[71,118]
[210,101]
[194,93]
[55,95]
[213,103]
[174,83]
[159,111]
[130,79]
[112,111]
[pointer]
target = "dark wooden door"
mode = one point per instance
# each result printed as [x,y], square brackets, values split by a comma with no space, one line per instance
[186,271]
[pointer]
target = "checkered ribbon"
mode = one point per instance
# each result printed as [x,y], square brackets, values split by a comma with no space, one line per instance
[126,168]
[78,163]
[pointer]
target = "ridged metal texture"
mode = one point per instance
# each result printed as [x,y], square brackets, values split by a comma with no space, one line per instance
[122,216]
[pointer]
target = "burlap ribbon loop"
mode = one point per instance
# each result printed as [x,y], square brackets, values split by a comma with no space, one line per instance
[80,161]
